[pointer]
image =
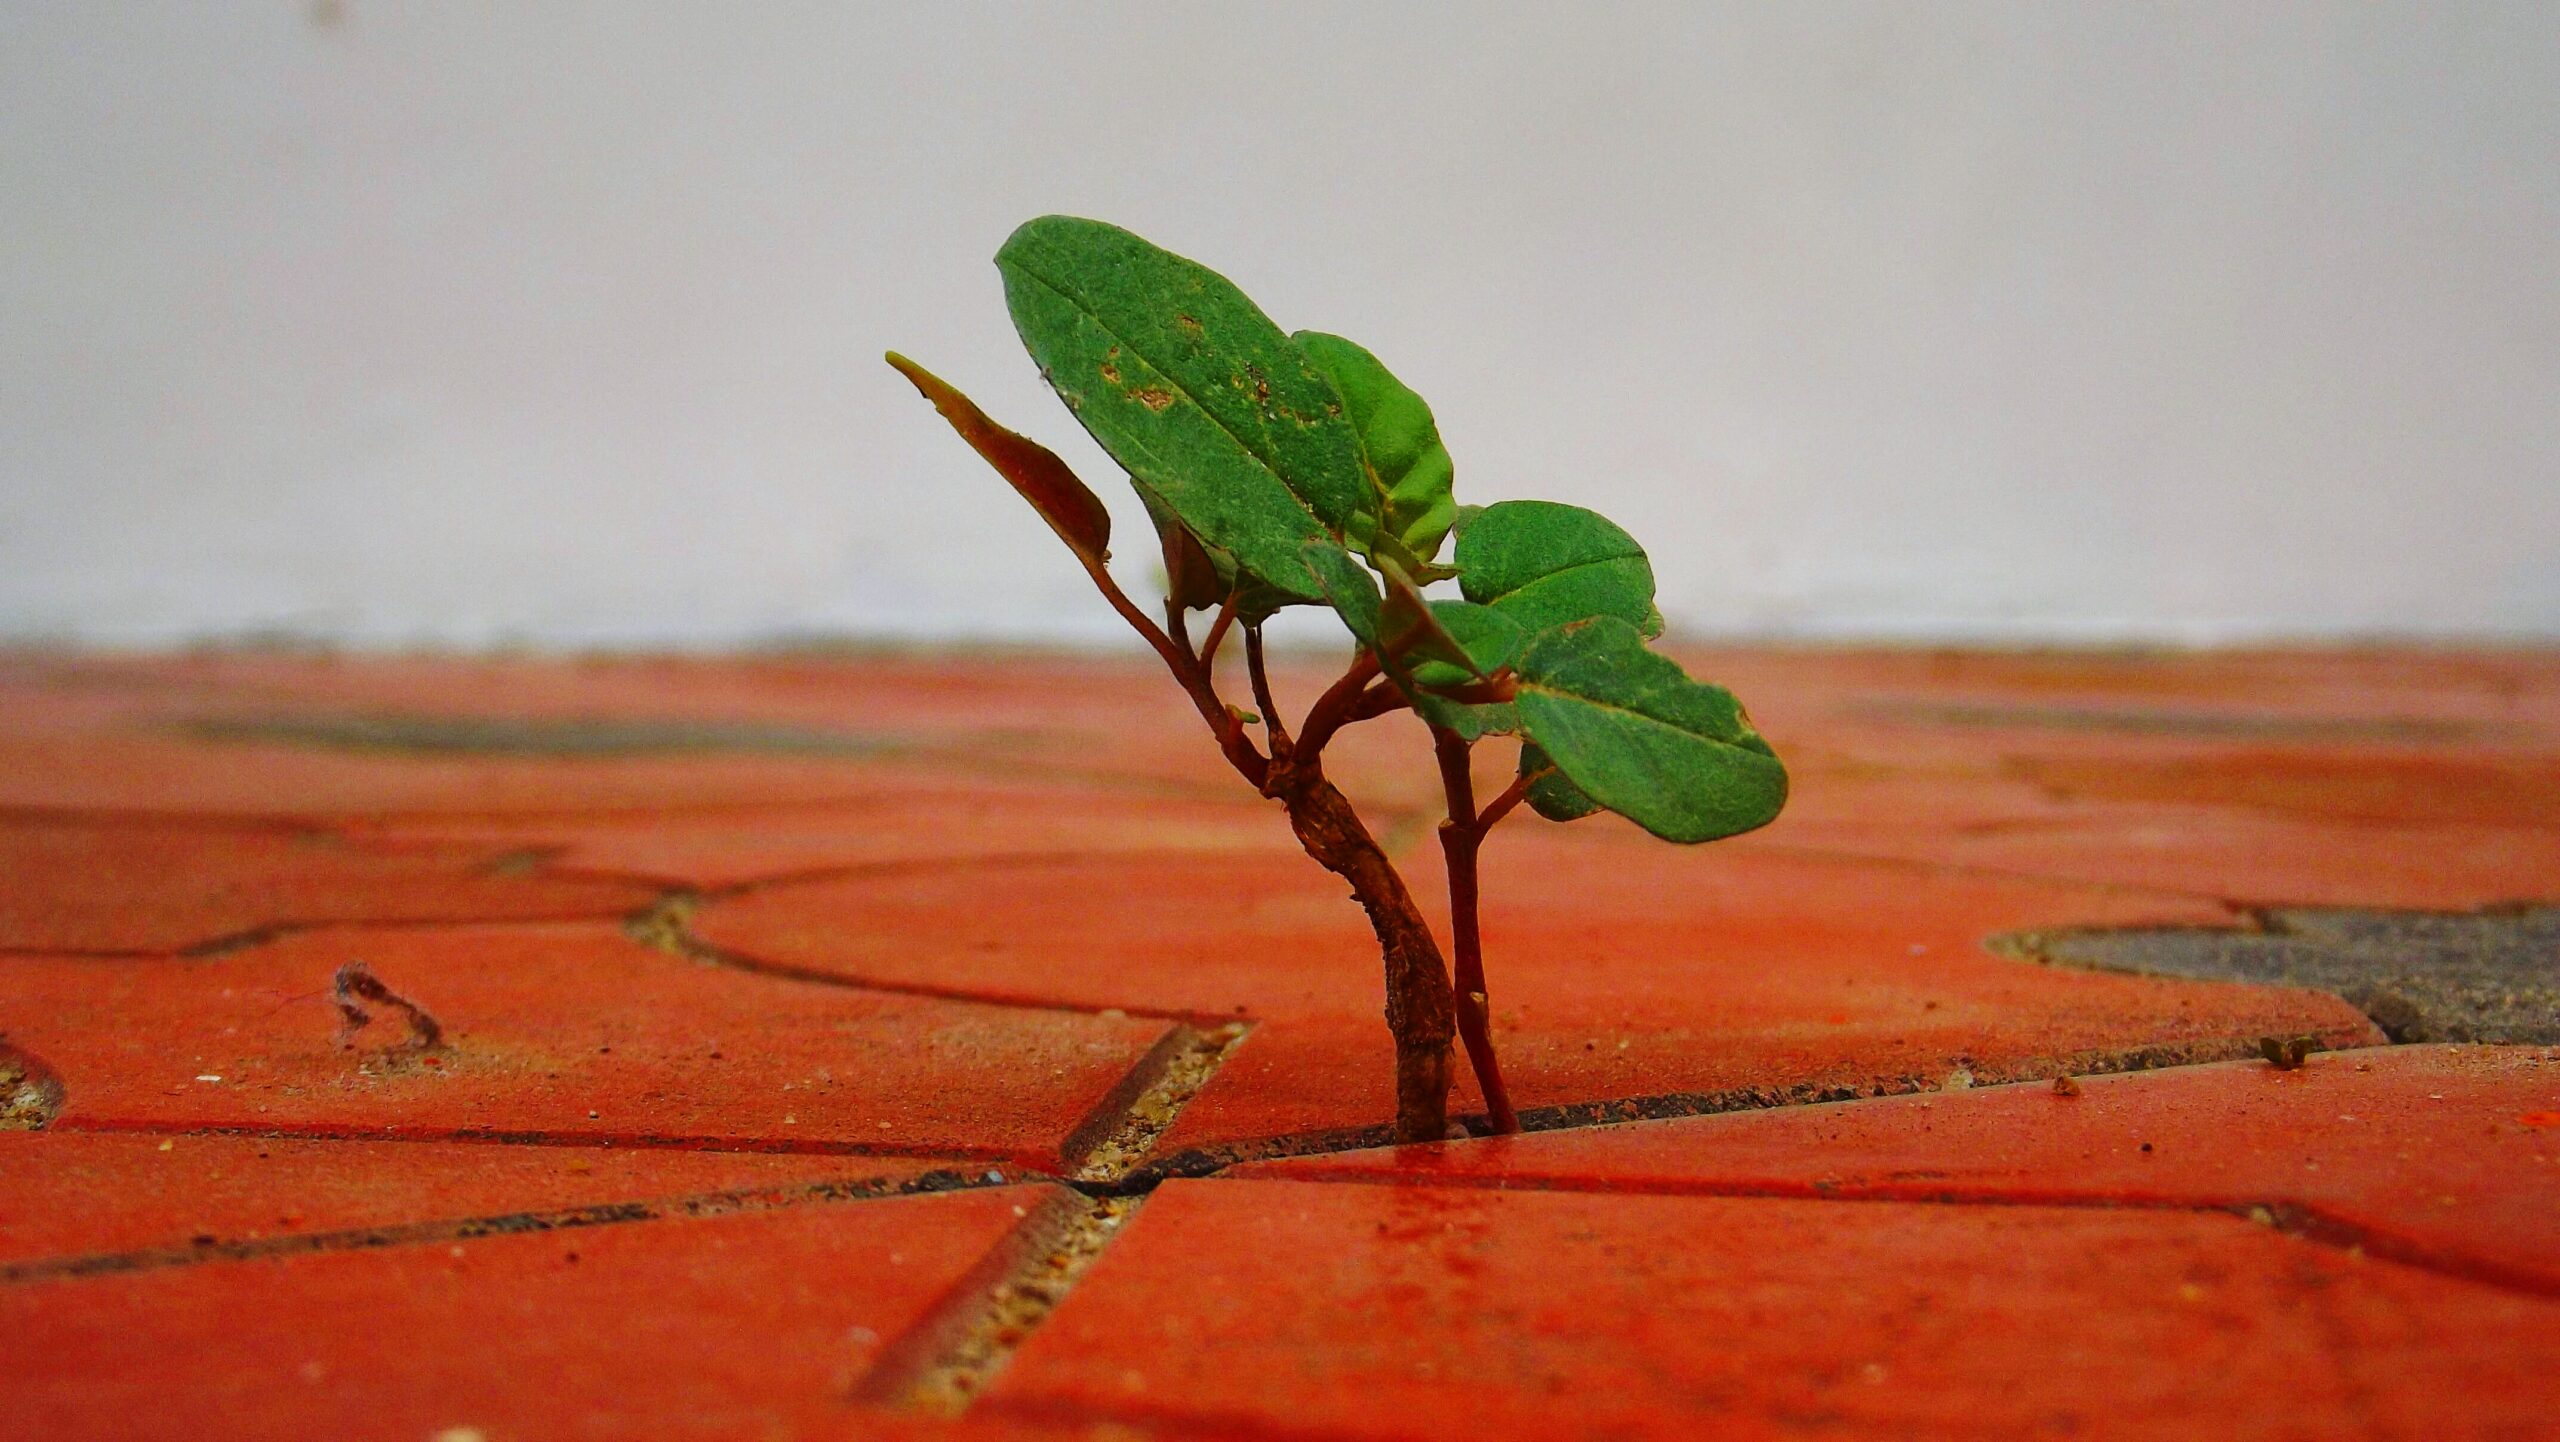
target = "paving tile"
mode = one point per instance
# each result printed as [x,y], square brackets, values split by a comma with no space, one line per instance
[72,885]
[76,1195]
[2253,858]
[330,738]
[559,1032]
[2464,789]
[752,1324]
[1618,973]
[907,821]
[2446,1155]
[1402,1311]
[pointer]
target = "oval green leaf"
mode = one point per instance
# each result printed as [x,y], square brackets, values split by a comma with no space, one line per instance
[1550,794]
[1675,756]
[1347,586]
[1191,388]
[1492,641]
[1410,467]
[1547,564]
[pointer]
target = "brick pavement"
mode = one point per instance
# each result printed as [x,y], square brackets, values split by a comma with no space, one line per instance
[947,1046]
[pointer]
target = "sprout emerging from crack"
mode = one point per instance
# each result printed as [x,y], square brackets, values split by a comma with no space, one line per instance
[1294,470]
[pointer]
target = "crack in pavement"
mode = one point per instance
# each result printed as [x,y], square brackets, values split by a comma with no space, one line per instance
[944,1363]
[663,926]
[1668,1106]
[593,1214]
[494,1136]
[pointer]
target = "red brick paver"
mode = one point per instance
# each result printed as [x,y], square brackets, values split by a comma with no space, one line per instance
[1424,1312]
[1621,974]
[2449,1156]
[563,1032]
[93,1203]
[132,887]
[752,1324]
[818,1032]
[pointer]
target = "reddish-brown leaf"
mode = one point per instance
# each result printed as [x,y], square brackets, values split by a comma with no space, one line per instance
[1065,502]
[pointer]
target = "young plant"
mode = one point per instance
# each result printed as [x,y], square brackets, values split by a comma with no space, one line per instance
[1293,470]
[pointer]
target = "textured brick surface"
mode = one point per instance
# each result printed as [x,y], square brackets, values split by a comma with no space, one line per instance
[561,1032]
[776,991]
[131,887]
[2447,1155]
[114,1199]
[1401,1311]
[903,824]
[749,1325]
[1620,973]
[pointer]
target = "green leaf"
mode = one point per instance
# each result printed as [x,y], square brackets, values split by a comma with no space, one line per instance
[1627,726]
[1191,388]
[1408,466]
[1398,627]
[1492,641]
[1347,586]
[1552,796]
[1411,630]
[1066,503]
[1546,564]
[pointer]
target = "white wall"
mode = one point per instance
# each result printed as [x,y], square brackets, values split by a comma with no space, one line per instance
[471,322]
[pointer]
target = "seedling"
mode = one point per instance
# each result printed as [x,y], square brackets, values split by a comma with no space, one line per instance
[1294,470]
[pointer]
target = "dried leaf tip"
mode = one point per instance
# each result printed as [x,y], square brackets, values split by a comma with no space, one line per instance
[1064,501]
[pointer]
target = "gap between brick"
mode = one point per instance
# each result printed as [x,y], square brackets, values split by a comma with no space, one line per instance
[1669,1106]
[945,1362]
[665,926]
[599,1214]
[493,1136]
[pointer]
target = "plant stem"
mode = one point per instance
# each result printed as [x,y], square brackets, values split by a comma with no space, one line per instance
[1461,837]
[1276,734]
[1218,631]
[1421,1013]
[1512,795]
[1334,707]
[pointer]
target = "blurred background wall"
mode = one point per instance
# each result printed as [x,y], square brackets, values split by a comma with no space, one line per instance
[560,323]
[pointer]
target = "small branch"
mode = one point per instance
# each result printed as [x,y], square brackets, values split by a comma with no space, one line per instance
[1460,838]
[1381,698]
[1153,634]
[1274,732]
[1333,708]
[1178,659]
[1218,631]
[1500,686]
[1511,796]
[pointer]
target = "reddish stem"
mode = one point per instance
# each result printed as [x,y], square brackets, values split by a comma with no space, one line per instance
[1334,707]
[1381,698]
[1277,734]
[1512,795]
[1187,670]
[1419,1009]
[1461,836]
[1218,630]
